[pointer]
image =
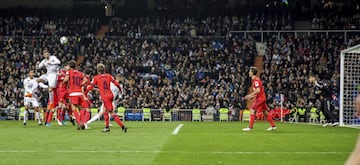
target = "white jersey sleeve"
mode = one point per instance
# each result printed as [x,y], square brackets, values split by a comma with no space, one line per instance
[41,65]
[51,64]
[54,60]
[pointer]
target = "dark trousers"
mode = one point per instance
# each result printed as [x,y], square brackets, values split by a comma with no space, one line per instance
[327,109]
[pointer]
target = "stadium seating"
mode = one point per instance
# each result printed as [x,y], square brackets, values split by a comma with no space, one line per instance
[185,72]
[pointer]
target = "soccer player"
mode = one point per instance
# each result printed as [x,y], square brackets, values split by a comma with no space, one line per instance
[117,92]
[75,80]
[354,158]
[85,111]
[52,66]
[259,103]
[30,96]
[61,90]
[102,81]
[324,92]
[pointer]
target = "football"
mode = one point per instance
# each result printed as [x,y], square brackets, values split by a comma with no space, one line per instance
[63,40]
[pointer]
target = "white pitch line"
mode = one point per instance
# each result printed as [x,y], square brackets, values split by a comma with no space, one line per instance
[179,152]
[177,129]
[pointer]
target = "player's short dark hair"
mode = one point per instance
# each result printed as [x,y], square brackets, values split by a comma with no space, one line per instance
[100,68]
[253,69]
[72,64]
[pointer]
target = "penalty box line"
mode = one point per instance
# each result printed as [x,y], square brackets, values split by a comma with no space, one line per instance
[177,129]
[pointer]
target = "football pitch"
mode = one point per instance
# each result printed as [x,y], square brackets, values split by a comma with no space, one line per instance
[156,143]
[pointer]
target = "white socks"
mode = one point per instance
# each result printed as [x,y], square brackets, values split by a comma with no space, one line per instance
[25,116]
[37,116]
[93,119]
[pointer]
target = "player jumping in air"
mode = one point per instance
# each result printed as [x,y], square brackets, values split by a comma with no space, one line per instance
[52,66]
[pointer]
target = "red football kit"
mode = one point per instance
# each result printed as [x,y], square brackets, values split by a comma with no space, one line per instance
[103,83]
[86,103]
[61,86]
[260,99]
[74,86]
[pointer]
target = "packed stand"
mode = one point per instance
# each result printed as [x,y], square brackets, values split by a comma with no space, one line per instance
[176,73]
[35,26]
[290,60]
[22,42]
[190,26]
[328,15]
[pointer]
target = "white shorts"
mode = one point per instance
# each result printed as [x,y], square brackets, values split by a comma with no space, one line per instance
[50,78]
[31,100]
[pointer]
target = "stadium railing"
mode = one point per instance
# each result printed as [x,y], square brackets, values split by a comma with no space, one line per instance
[133,114]
[262,36]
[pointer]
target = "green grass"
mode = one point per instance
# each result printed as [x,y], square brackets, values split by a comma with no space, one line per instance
[148,143]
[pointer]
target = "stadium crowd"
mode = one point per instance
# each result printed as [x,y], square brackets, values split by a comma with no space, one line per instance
[190,26]
[162,69]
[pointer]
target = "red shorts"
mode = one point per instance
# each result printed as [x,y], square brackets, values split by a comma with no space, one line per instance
[62,96]
[259,105]
[107,100]
[86,104]
[76,100]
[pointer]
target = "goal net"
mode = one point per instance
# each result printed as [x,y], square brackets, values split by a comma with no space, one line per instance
[349,85]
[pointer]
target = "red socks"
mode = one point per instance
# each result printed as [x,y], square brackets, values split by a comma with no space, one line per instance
[107,120]
[77,117]
[49,117]
[271,121]
[117,120]
[87,116]
[252,120]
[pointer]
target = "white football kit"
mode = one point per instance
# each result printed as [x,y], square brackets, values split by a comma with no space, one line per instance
[52,67]
[31,87]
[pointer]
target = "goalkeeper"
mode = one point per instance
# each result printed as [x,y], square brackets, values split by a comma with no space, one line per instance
[324,91]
